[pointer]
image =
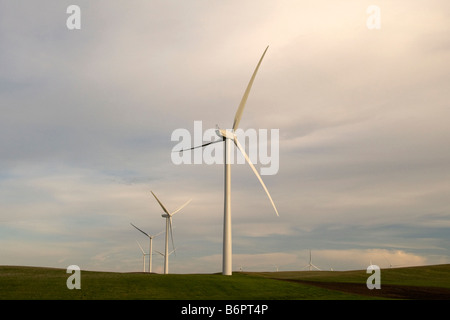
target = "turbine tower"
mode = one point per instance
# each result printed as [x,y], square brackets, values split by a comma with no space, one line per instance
[229,136]
[151,246]
[168,216]
[143,256]
[310,265]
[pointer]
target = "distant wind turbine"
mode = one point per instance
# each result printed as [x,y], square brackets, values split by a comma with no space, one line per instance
[229,136]
[151,246]
[390,264]
[310,265]
[168,217]
[143,256]
[164,255]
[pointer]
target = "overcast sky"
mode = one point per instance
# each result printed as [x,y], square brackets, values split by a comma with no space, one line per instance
[87,117]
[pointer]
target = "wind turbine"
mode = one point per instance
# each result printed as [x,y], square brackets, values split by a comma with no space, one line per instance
[151,246]
[390,264]
[229,136]
[310,264]
[143,256]
[164,255]
[168,217]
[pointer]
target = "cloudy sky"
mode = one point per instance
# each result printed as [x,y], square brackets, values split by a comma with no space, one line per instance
[87,117]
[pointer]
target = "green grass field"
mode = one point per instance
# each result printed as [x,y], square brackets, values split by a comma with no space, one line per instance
[25,283]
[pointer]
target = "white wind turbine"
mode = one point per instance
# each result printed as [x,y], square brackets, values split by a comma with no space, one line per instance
[390,264]
[151,246]
[168,217]
[310,264]
[229,136]
[143,256]
[163,255]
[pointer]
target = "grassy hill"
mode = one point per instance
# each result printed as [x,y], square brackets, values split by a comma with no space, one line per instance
[424,282]
[19,283]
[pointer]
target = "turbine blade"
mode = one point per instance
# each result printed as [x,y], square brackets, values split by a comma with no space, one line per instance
[171,232]
[143,252]
[203,145]
[159,253]
[184,205]
[236,142]
[158,234]
[140,230]
[237,117]
[162,206]
[316,267]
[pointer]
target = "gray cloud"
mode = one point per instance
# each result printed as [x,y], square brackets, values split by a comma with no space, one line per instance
[87,117]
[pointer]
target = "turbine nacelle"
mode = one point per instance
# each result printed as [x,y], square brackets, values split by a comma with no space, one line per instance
[225,134]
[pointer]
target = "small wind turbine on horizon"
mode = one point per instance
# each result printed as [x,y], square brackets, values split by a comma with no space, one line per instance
[310,264]
[163,255]
[390,264]
[168,216]
[229,136]
[151,246]
[143,256]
